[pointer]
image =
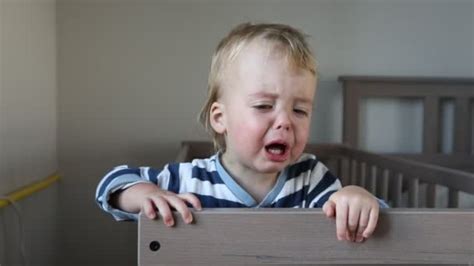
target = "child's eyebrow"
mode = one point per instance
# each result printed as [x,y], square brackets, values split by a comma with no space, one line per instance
[274,96]
[262,95]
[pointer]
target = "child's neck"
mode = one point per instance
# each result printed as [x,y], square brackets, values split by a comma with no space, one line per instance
[258,185]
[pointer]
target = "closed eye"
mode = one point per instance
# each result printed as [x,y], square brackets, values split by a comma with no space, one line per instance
[300,112]
[263,107]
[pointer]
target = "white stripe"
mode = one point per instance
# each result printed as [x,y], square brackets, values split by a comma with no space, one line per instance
[335,186]
[316,175]
[164,178]
[293,185]
[185,173]
[144,172]
[206,188]
[208,164]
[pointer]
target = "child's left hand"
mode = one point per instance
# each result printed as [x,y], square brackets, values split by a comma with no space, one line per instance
[356,212]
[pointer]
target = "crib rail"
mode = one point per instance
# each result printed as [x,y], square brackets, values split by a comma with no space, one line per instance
[390,178]
[306,236]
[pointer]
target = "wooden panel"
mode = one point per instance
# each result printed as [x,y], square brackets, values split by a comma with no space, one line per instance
[401,80]
[456,161]
[306,236]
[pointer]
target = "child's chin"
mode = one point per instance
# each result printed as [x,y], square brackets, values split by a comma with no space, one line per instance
[275,168]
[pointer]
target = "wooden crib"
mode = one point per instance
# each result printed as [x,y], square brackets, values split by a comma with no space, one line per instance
[432,92]
[407,233]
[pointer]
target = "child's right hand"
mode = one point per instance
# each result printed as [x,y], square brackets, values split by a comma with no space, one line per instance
[150,199]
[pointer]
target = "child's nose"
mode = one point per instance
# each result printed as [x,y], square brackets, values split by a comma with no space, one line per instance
[283,122]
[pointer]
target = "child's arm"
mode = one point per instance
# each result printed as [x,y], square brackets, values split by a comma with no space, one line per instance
[356,212]
[124,191]
[150,199]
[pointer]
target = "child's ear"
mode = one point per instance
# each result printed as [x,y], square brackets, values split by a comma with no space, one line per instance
[217,117]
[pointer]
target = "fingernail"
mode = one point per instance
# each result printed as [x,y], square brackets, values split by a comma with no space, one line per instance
[360,238]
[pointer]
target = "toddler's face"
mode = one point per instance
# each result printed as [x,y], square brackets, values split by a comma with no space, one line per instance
[267,106]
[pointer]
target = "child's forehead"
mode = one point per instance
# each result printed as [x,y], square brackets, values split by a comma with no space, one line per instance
[259,54]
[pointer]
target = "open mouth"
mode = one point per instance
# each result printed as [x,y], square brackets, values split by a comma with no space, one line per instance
[276,148]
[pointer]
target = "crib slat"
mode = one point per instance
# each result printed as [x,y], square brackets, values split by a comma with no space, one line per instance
[431,124]
[363,175]
[353,172]
[413,188]
[384,185]
[373,179]
[431,195]
[462,131]
[332,166]
[453,198]
[397,189]
[345,171]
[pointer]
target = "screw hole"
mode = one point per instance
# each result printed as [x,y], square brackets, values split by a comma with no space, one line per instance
[154,245]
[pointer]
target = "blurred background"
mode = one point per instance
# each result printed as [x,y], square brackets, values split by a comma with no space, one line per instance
[89,84]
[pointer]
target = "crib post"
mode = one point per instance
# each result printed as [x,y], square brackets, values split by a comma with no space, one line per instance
[462,130]
[363,175]
[431,195]
[345,171]
[385,184]
[373,180]
[453,198]
[431,125]
[353,172]
[397,182]
[413,191]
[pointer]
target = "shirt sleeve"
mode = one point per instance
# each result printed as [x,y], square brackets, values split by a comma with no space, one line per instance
[123,177]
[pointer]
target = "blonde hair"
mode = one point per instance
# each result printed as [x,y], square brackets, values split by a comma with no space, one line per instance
[290,41]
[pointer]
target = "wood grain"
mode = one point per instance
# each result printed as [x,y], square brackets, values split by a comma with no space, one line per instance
[307,236]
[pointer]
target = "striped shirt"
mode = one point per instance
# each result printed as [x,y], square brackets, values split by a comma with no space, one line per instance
[307,183]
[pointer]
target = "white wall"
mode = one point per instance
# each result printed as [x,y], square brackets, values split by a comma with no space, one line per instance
[28,119]
[132,78]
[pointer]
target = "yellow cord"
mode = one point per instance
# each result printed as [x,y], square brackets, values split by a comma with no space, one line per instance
[30,189]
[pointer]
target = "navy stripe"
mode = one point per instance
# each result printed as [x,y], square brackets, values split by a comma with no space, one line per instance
[203,175]
[327,180]
[294,199]
[153,175]
[301,167]
[323,199]
[110,178]
[173,185]
[211,202]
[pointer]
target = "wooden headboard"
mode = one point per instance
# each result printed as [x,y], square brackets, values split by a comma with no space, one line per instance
[432,91]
